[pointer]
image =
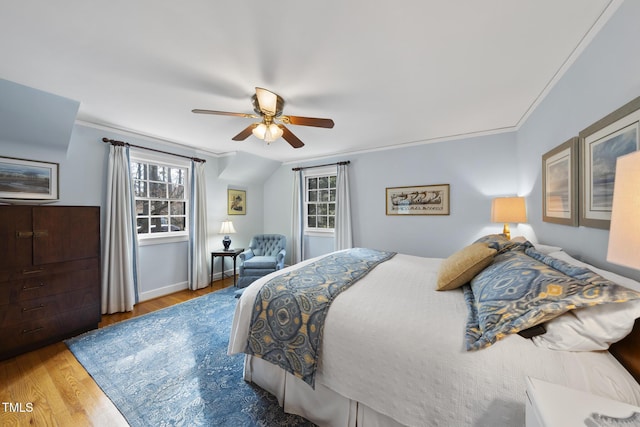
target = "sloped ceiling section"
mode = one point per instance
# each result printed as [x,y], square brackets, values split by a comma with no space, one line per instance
[245,168]
[31,116]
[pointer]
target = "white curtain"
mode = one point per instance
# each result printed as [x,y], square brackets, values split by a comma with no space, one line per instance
[343,233]
[297,219]
[198,268]
[120,268]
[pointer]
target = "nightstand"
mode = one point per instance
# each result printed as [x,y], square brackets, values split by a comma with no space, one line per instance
[233,253]
[551,405]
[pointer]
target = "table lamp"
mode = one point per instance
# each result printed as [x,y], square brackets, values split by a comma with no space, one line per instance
[624,232]
[226,228]
[508,209]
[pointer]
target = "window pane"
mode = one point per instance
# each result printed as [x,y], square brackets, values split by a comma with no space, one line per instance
[322,209]
[138,170]
[322,222]
[176,191]
[177,175]
[142,207]
[143,225]
[159,225]
[177,223]
[157,190]
[332,222]
[178,208]
[313,196]
[311,209]
[332,209]
[311,221]
[323,195]
[312,183]
[158,173]
[332,195]
[159,207]
[140,188]
[323,182]
[332,181]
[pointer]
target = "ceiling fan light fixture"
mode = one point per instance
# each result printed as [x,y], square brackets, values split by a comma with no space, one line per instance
[260,131]
[267,101]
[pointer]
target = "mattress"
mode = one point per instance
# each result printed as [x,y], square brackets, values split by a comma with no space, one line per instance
[395,345]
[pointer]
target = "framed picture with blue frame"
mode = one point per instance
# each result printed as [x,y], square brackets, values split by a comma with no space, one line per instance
[601,144]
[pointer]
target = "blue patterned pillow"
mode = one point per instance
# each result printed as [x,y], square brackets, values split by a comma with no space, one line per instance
[500,243]
[523,288]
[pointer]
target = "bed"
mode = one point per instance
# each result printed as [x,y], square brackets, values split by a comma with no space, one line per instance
[394,353]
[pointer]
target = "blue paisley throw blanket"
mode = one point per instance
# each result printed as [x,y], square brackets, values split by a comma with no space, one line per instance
[524,287]
[289,311]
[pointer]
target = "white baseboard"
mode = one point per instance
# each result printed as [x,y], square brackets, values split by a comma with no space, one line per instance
[165,290]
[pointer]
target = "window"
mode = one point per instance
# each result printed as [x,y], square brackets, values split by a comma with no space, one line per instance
[320,202]
[160,192]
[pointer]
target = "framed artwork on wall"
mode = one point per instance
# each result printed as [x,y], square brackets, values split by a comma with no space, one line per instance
[600,146]
[28,180]
[420,200]
[560,184]
[236,202]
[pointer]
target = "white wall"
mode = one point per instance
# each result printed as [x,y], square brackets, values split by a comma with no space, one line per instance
[604,77]
[477,169]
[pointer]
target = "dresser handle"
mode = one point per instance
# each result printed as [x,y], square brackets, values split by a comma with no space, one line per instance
[32,331]
[24,234]
[41,233]
[39,307]
[36,271]
[25,288]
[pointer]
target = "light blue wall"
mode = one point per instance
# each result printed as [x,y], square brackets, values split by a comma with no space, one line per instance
[477,169]
[83,170]
[604,77]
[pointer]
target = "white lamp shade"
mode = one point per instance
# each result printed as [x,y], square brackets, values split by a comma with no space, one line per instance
[624,232]
[227,227]
[508,209]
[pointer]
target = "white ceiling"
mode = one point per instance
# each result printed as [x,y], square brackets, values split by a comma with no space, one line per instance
[388,73]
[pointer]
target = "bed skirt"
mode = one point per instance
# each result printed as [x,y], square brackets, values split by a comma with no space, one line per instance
[321,406]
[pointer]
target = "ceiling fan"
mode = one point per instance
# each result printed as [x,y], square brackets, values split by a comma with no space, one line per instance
[268,107]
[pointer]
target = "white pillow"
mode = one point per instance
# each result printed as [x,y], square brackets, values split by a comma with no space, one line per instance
[591,328]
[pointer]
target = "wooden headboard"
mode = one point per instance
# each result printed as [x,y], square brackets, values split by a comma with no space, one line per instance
[627,351]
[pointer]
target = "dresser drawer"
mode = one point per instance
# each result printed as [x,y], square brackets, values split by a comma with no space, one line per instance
[42,285]
[35,333]
[45,307]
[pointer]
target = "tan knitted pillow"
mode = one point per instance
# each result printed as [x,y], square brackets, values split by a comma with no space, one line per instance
[463,265]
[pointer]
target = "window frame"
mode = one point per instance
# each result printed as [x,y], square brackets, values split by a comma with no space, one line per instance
[159,160]
[316,173]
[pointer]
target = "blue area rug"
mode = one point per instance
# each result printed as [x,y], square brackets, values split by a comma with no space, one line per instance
[171,368]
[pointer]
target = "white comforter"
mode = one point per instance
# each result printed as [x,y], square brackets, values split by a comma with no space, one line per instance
[395,344]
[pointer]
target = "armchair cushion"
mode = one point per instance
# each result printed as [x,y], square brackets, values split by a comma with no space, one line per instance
[261,262]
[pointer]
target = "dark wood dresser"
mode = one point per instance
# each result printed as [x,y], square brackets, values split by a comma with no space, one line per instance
[49,275]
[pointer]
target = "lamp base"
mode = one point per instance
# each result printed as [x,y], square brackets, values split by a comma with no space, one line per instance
[226,242]
[506,231]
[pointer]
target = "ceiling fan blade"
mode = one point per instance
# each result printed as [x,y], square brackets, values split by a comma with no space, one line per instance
[224,113]
[246,132]
[290,137]
[308,121]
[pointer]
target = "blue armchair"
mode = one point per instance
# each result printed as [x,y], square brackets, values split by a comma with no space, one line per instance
[265,255]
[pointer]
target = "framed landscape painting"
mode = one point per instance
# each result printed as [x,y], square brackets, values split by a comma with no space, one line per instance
[560,184]
[28,180]
[420,200]
[600,146]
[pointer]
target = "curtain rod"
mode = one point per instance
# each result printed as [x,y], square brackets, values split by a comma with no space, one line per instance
[122,144]
[320,166]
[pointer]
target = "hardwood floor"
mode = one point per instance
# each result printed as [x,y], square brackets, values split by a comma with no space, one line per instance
[49,387]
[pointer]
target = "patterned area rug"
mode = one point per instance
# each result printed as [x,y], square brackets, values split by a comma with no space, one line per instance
[171,368]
